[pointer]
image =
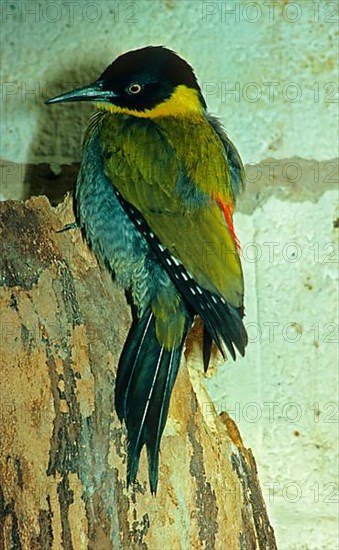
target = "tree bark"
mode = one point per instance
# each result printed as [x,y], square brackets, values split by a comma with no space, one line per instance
[62,456]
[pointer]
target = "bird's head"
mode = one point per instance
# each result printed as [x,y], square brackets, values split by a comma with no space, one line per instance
[149,82]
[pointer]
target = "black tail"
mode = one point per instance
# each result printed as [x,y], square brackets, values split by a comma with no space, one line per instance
[146,375]
[206,348]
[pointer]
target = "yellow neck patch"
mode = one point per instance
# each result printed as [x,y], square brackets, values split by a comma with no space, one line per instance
[183,102]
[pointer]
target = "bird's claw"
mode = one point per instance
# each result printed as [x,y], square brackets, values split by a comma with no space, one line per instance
[69,226]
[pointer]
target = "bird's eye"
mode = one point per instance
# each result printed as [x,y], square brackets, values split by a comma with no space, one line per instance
[134,89]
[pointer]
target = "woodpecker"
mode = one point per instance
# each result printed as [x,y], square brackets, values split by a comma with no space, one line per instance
[154,198]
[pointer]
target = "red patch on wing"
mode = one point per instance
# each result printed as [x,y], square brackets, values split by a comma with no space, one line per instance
[228,213]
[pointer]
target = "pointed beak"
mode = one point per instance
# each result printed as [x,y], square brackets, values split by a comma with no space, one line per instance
[91,92]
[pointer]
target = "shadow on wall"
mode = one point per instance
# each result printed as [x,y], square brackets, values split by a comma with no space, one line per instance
[58,136]
[41,179]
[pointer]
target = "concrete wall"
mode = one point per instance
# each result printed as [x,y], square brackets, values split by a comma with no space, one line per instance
[268,70]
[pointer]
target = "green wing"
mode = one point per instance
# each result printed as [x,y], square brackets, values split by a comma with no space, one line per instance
[172,171]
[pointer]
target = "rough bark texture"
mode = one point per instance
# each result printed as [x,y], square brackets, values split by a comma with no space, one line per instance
[62,456]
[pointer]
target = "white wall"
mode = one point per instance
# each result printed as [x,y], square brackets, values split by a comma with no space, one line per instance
[288,47]
[284,394]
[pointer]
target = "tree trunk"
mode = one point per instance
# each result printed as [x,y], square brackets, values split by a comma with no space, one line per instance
[62,456]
